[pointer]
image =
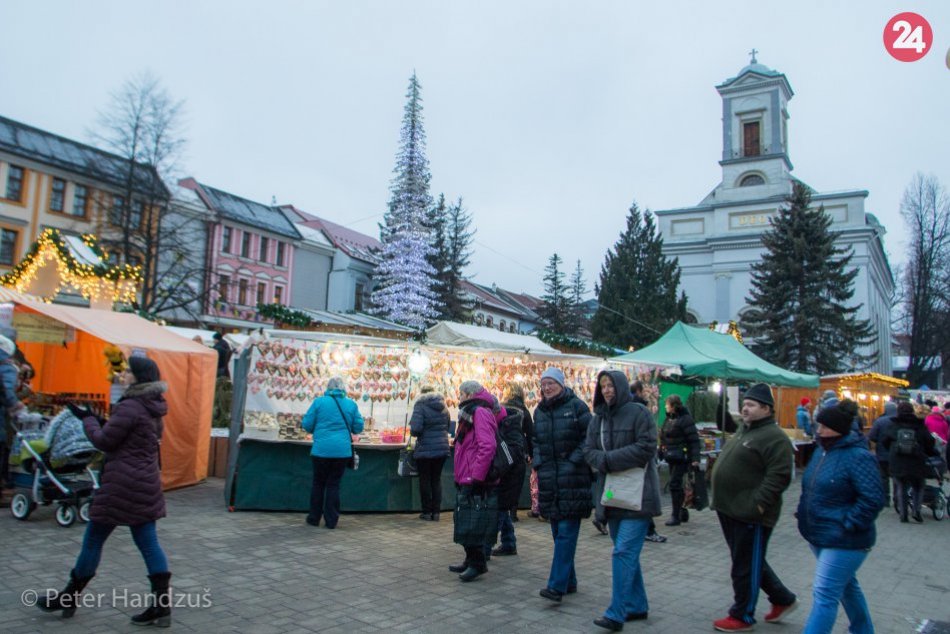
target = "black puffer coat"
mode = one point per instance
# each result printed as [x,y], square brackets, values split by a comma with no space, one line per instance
[527,425]
[430,424]
[680,438]
[629,441]
[560,428]
[903,465]
[130,491]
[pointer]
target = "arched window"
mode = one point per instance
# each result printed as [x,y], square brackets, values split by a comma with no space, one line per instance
[750,180]
[511,327]
[691,317]
[490,321]
[501,325]
[479,318]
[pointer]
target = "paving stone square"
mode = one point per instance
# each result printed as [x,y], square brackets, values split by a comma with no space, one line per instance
[271,573]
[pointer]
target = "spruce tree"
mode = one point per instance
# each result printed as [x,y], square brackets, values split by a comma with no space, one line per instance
[577,320]
[457,306]
[799,316]
[404,277]
[437,225]
[637,293]
[555,309]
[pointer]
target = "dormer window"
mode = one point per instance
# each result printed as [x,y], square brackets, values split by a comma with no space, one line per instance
[751,180]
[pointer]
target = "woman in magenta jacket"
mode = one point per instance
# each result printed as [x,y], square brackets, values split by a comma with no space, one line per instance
[479,414]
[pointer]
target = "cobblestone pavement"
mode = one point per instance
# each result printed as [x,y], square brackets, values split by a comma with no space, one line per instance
[269,572]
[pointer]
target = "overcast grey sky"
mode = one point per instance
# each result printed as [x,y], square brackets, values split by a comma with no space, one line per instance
[548,118]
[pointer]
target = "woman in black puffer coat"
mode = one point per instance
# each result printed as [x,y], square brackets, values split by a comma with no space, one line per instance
[681,446]
[130,493]
[430,424]
[909,470]
[560,429]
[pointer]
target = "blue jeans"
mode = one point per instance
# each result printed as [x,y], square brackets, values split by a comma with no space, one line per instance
[565,534]
[628,594]
[506,533]
[835,582]
[143,535]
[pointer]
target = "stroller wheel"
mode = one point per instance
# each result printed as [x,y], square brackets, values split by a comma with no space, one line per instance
[84,510]
[940,506]
[65,515]
[21,506]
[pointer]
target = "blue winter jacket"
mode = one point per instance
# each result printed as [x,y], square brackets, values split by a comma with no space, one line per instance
[8,379]
[841,496]
[430,424]
[331,438]
[804,419]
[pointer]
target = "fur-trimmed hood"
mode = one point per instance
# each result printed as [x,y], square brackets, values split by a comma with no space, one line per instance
[150,395]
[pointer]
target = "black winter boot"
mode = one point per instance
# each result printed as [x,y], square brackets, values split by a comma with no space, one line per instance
[68,598]
[676,517]
[159,613]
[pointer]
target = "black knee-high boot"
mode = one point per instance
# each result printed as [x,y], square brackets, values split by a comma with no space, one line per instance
[68,598]
[159,613]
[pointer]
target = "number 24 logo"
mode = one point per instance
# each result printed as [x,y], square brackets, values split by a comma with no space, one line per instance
[913,38]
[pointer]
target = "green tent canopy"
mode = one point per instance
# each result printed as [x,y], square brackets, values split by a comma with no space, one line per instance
[702,352]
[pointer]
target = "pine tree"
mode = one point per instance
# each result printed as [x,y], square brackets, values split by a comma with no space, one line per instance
[799,316]
[437,225]
[637,292]
[577,321]
[456,305]
[555,311]
[404,278]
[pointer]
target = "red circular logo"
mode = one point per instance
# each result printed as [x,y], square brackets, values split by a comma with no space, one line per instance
[908,37]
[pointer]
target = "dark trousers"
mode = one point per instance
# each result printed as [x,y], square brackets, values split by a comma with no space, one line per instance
[916,486]
[678,471]
[325,492]
[430,483]
[750,572]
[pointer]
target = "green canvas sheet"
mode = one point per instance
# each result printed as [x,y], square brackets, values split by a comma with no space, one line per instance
[704,353]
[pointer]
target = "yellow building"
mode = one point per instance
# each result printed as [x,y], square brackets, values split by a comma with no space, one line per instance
[48,181]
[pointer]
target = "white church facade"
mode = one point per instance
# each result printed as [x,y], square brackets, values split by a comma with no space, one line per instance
[720,238]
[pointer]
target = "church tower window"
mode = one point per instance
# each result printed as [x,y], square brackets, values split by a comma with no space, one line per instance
[750,138]
[750,180]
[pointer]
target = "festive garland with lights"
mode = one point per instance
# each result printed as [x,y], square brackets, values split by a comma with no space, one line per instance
[565,341]
[732,330]
[89,280]
[282,314]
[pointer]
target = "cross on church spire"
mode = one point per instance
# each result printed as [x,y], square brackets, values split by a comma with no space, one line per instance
[752,53]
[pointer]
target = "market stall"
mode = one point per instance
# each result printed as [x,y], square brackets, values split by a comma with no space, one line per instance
[287,370]
[871,391]
[66,346]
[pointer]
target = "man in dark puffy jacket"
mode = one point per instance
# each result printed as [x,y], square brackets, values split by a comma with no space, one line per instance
[876,435]
[560,428]
[748,480]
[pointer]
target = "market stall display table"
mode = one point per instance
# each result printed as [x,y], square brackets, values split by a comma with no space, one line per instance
[277,476]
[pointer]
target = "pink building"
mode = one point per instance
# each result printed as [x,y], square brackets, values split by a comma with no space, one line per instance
[250,257]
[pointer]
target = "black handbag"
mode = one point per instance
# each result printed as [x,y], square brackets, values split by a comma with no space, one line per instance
[696,482]
[407,467]
[475,517]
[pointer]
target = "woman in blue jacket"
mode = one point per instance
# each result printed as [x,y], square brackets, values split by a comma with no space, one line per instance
[332,419]
[841,497]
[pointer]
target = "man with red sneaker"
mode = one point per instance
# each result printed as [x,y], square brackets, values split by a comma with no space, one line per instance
[748,479]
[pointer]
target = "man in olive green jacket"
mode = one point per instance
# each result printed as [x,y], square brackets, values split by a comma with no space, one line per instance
[748,480]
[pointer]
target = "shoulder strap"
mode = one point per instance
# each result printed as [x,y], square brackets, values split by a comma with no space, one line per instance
[345,422]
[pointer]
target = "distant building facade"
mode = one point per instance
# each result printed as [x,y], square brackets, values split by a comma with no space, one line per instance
[718,240]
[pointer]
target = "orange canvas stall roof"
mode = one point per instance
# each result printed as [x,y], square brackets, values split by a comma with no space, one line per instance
[189,369]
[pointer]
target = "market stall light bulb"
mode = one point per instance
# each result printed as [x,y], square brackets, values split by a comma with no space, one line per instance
[716,387]
[846,393]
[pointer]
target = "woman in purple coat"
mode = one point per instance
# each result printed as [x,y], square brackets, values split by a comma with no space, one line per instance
[130,493]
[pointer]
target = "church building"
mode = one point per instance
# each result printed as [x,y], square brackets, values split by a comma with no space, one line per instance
[719,239]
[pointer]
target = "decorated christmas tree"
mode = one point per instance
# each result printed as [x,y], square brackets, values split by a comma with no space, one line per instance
[405,285]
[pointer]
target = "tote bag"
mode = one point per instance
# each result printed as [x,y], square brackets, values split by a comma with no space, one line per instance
[622,489]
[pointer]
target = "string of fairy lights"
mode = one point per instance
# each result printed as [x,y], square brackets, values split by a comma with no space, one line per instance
[95,282]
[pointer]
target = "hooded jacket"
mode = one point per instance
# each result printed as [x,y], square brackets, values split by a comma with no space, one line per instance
[475,439]
[560,429]
[130,490]
[430,424]
[879,429]
[842,494]
[331,419]
[8,397]
[937,424]
[628,441]
[752,473]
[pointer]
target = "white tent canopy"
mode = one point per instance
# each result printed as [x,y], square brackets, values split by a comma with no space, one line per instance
[450,333]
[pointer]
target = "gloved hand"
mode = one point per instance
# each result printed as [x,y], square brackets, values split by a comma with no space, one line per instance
[79,412]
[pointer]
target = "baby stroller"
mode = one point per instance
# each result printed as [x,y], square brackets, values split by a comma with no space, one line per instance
[52,461]
[935,487]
